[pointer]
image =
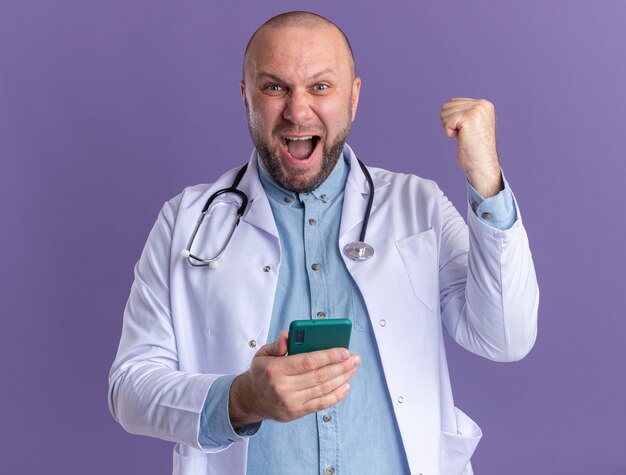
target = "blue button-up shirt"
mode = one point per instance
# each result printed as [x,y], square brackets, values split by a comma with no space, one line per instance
[360,434]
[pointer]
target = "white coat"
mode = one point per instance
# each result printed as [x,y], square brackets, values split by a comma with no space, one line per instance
[185,326]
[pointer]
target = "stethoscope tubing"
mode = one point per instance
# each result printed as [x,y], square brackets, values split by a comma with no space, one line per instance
[359,250]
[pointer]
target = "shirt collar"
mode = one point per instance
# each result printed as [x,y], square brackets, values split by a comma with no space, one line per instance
[327,192]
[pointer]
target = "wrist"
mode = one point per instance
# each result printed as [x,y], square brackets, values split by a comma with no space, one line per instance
[240,403]
[487,183]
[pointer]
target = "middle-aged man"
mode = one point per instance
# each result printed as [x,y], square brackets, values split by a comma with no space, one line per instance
[194,365]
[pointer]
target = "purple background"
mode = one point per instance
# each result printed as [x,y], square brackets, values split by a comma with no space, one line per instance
[109,108]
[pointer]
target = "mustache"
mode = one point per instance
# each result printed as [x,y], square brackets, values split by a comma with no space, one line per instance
[290,129]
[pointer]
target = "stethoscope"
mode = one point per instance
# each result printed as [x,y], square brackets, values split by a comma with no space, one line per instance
[359,250]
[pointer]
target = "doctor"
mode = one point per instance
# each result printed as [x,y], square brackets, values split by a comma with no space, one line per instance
[201,360]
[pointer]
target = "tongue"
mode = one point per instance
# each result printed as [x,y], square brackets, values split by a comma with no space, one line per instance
[300,149]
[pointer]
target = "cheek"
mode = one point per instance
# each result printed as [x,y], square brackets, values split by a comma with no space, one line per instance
[335,115]
[264,114]
[255,115]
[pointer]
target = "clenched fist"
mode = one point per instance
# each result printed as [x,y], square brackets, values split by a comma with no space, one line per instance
[473,123]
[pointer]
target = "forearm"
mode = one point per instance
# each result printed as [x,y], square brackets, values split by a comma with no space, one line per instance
[149,399]
[490,294]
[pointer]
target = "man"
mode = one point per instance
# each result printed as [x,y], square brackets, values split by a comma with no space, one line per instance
[189,367]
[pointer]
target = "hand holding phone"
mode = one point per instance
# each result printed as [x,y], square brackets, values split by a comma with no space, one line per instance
[286,388]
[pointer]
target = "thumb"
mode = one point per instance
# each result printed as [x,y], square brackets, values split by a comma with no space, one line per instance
[277,348]
[451,133]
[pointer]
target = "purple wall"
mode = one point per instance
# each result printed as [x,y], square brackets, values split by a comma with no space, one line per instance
[109,108]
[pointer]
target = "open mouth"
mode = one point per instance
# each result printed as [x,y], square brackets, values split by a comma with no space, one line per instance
[301,148]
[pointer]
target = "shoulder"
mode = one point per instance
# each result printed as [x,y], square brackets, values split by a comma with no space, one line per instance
[418,203]
[405,183]
[191,195]
[192,199]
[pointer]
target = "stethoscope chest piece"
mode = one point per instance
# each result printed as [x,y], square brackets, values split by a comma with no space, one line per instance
[359,251]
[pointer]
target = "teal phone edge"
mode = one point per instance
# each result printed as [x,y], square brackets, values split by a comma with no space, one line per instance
[322,334]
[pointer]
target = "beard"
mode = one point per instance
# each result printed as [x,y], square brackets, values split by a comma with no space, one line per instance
[297,182]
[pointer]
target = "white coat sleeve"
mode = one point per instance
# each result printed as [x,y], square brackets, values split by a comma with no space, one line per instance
[489,293]
[148,395]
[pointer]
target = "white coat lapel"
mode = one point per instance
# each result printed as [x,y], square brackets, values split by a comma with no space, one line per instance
[259,212]
[355,197]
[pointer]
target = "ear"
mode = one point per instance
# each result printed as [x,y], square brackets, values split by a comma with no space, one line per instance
[242,85]
[354,99]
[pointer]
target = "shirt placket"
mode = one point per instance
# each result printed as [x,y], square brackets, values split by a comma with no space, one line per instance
[315,235]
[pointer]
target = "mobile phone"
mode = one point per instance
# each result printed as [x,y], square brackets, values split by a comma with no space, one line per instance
[313,335]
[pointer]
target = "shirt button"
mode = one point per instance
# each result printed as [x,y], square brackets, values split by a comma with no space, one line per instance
[287,199]
[252,343]
[324,197]
[400,399]
[487,215]
[474,206]
[326,417]
[321,315]
[312,222]
[316,266]
[266,268]
[382,323]
[330,470]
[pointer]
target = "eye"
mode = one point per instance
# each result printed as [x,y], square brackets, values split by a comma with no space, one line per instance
[320,87]
[273,89]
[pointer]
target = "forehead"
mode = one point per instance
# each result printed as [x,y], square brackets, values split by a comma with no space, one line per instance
[298,50]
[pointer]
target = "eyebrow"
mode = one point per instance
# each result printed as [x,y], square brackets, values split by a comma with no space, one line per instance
[273,77]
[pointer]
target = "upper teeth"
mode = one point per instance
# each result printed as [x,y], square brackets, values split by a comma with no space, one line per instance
[299,138]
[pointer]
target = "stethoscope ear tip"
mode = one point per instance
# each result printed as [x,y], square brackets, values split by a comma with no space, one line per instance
[185,253]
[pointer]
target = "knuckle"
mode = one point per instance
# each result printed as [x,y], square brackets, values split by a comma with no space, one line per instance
[271,371]
[308,363]
[274,371]
[321,376]
[327,388]
[278,389]
[485,105]
[474,113]
[317,392]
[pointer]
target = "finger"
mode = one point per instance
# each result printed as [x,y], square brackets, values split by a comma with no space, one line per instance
[326,374]
[457,102]
[307,362]
[282,343]
[320,390]
[451,133]
[461,108]
[453,123]
[276,348]
[460,99]
[481,106]
[327,400]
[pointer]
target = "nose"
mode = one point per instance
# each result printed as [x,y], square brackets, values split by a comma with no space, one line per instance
[298,108]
